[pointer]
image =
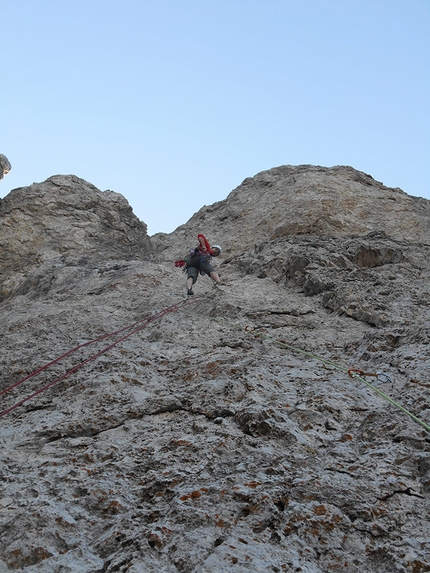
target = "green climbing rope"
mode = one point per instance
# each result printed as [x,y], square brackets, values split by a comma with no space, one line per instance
[314,357]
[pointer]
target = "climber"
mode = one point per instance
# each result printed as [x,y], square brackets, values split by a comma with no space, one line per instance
[198,260]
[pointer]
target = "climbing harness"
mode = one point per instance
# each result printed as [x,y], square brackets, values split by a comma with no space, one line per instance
[353,373]
[140,325]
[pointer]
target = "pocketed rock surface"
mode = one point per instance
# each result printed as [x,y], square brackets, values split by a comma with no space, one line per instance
[225,435]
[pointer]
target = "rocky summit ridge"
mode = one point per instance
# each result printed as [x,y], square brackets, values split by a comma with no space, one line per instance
[220,433]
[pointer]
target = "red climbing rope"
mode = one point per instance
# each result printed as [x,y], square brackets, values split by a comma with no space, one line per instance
[45,366]
[143,323]
[206,242]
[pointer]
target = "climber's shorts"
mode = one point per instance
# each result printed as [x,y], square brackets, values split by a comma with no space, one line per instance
[204,268]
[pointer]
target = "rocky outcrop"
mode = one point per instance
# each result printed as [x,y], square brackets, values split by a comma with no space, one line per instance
[61,223]
[307,200]
[5,165]
[225,436]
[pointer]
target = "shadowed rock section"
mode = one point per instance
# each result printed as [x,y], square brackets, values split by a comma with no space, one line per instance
[227,436]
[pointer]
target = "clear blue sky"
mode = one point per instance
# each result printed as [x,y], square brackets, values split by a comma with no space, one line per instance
[174,102]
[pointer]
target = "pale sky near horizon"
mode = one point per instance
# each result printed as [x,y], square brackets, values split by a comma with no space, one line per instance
[173,103]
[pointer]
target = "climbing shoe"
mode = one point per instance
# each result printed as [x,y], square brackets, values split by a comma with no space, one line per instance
[190,292]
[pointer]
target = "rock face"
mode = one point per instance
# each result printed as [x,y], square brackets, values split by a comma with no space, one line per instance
[308,200]
[63,222]
[224,435]
[5,165]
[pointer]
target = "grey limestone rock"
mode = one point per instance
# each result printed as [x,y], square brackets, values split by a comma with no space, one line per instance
[308,200]
[225,435]
[61,223]
[5,165]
